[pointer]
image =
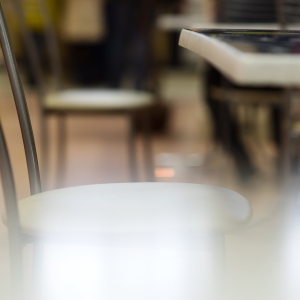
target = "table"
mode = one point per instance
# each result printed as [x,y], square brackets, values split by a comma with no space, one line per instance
[249,57]
[255,58]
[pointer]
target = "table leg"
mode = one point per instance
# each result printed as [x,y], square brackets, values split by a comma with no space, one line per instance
[285,132]
[61,150]
[132,148]
[148,146]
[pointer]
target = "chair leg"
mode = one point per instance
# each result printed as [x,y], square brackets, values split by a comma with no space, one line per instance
[45,149]
[219,255]
[285,132]
[61,150]
[148,147]
[131,149]
[37,284]
[16,265]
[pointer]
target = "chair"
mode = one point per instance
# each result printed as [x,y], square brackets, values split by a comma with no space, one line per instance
[63,102]
[240,11]
[105,212]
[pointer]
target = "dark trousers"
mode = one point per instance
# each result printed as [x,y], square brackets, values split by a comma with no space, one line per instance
[126,39]
[86,63]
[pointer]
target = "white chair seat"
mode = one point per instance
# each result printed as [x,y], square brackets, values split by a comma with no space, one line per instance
[132,208]
[97,99]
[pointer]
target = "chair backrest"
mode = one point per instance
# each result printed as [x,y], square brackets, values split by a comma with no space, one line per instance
[22,110]
[51,42]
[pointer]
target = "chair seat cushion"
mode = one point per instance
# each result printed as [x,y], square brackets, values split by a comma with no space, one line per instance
[133,208]
[93,99]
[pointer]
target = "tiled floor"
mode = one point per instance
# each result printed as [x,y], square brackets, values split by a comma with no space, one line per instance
[96,153]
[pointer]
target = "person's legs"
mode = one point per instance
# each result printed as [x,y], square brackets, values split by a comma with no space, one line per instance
[84,63]
[141,59]
[118,19]
[275,124]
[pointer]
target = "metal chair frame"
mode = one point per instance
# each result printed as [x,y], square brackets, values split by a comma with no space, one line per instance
[17,238]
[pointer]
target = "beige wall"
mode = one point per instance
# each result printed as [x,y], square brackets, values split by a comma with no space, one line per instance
[208,8]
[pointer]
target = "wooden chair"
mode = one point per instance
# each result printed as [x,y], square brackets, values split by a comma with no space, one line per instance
[63,102]
[105,212]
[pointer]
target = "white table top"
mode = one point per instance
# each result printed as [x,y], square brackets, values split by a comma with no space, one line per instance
[259,69]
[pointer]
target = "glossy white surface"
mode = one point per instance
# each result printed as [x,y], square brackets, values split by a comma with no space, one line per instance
[133,208]
[93,99]
[244,68]
[128,273]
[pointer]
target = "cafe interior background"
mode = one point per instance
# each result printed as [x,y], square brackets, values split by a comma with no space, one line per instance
[142,53]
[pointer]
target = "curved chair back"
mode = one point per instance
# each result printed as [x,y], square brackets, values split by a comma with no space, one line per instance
[52,43]
[31,48]
[21,106]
